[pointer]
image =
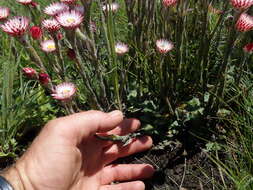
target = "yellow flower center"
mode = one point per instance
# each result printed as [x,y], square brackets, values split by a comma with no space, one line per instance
[51,46]
[65,92]
[70,20]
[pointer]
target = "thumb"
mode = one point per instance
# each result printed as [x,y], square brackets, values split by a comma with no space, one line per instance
[80,126]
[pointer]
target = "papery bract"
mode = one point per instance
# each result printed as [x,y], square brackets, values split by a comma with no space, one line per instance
[36,32]
[16,26]
[241,4]
[244,23]
[164,46]
[121,48]
[51,25]
[64,91]
[70,19]
[55,8]
[4,13]
[48,46]
[168,3]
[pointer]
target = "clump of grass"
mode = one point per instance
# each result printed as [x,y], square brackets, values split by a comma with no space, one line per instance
[236,162]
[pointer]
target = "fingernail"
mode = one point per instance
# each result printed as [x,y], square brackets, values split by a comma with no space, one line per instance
[115,113]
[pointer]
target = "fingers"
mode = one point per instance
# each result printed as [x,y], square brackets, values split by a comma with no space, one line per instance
[135,185]
[77,127]
[116,151]
[126,127]
[126,172]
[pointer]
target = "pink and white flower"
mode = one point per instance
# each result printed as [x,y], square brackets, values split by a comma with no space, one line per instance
[16,26]
[64,91]
[55,8]
[51,25]
[121,48]
[168,3]
[244,23]
[4,13]
[70,19]
[111,7]
[164,46]
[24,2]
[68,1]
[241,4]
[48,46]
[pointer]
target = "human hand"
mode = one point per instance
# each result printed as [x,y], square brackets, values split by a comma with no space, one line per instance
[66,155]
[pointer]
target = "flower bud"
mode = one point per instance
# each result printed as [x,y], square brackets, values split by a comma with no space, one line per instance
[29,72]
[248,48]
[34,4]
[71,54]
[44,78]
[59,36]
[36,32]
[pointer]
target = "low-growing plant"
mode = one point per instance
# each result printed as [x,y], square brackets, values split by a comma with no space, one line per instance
[167,61]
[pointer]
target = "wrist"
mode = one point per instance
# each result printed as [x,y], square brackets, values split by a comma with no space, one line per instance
[13,177]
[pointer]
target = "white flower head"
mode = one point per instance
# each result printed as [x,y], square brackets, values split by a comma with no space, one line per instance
[164,46]
[16,26]
[51,25]
[64,91]
[70,19]
[55,8]
[4,12]
[111,7]
[48,46]
[121,48]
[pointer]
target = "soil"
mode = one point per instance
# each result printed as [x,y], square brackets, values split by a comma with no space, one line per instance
[182,165]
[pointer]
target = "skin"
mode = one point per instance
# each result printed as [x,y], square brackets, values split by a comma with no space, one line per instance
[67,156]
